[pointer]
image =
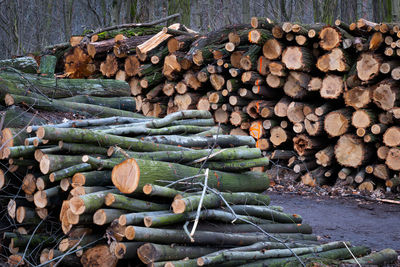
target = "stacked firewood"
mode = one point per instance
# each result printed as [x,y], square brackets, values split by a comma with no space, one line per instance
[322,100]
[133,199]
[315,97]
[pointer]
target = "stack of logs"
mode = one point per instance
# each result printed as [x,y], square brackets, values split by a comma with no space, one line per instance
[329,93]
[126,199]
[322,100]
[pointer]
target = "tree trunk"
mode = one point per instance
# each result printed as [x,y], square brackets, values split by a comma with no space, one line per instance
[151,252]
[59,88]
[142,172]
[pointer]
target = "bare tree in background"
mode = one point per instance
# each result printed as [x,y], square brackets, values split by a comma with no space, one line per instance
[28,25]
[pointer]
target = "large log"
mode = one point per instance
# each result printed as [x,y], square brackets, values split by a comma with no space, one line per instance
[24,64]
[191,203]
[368,66]
[65,106]
[133,174]
[351,151]
[386,94]
[164,236]
[337,123]
[297,58]
[105,140]
[59,88]
[357,97]
[151,252]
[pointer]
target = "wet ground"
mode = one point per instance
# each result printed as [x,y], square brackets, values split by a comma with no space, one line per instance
[373,224]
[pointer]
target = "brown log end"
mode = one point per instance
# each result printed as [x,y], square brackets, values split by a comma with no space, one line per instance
[77,205]
[20,215]
[100,256]
[368,66]
[119,250]
[109,199]
[130,232]
[40,199]
[9,100]
[178,206]
[278,136]
[330,38]
[272,49]
[391,137]
[350,151]
[78,179]
[336,123]
[99,217]
[28,183]
[44,164]
[357,97]
[109,67]
[125,176]
[393,159]
[293,56]
[332,87]
[385,95]
[71,217]
[147,253]
[360,119]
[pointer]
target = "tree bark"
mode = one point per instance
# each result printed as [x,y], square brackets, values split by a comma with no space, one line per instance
[142,172]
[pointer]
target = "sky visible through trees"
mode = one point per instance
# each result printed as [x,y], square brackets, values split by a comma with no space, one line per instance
[29,25]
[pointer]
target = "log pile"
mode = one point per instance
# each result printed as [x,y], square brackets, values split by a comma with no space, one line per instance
[133,199]
[321,99]
[169,187]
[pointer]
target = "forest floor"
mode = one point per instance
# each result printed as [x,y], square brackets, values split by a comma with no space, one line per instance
[369,223]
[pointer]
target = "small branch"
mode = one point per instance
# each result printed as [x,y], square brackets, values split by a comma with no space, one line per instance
[123,152]
[185,229]
[352,254]
[181,180]
[207,157]
[196,221]
[131,25]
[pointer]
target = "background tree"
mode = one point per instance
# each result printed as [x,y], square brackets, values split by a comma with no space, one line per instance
[29,25]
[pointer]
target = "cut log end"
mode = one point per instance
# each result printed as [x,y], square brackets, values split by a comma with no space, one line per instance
[350,151]
[77,205]
[330,38]
[147,253]
[9,100]
[125,176]
[130,232]
[100,217]
[391,137]
[336,123]
[178,206]
[109,199]
[122,220]
[40,199]
[78,179]
[147,189]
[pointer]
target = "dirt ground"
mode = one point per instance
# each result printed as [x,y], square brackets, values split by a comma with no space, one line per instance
[373,224]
